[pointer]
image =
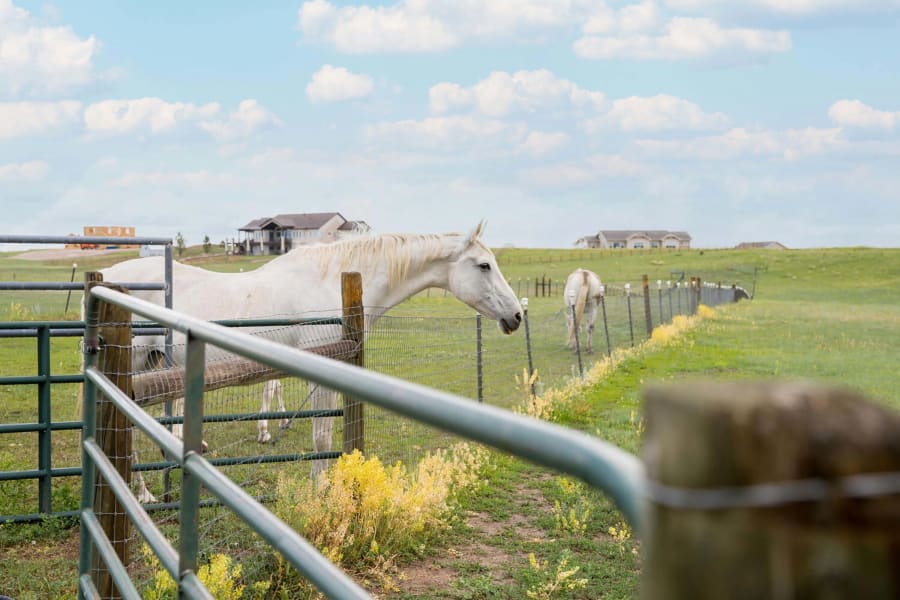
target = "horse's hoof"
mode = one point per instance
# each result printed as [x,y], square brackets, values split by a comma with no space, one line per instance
[263,437]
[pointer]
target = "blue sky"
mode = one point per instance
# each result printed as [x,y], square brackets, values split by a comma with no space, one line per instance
[732,120]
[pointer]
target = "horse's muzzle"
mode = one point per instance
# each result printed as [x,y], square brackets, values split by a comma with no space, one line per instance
[507,326]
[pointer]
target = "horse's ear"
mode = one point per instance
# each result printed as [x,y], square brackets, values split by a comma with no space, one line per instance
[475,234]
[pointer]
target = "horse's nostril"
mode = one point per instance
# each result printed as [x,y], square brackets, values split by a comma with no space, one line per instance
[519,317]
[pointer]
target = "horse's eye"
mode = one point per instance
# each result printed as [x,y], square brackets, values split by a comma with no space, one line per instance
[485,266]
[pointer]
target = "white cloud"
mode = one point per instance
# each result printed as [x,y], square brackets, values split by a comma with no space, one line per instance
[741,143]
[854,113]
[501,93]
[334,84]
[632,17]
[249,117]
[541,143]
[39,58]
[155,116]
[27,171]
[19,119]
[591,169]
[686,38]
[447,133]
[432,25]
[201,179]
[657,113]
[790,7]
[143,115]
[364,29]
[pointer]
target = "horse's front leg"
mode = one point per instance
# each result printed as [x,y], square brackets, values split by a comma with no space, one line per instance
[284,423]
[570,323]
[271,389]
[262,426]
[143,492]
[590,338]
[322,399]
[177,411]
[178,428]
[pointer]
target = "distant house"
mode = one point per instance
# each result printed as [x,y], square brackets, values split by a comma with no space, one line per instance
[282,233]
[764,245]
[633,238]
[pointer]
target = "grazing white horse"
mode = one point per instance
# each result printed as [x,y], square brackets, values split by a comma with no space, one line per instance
[583,292]
[306,281]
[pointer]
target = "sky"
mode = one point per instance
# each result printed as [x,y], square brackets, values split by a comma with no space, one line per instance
[733,120]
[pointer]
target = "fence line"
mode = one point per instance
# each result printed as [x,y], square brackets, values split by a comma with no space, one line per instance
[449,360]
[599,463]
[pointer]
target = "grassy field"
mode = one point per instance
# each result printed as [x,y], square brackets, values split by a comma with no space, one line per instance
[831,315]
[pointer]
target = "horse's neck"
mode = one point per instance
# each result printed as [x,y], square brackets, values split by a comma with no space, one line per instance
[381,294]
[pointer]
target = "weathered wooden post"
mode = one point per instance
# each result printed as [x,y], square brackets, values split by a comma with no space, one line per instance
[770,490]
[113,433]
[354,326]
[647,317]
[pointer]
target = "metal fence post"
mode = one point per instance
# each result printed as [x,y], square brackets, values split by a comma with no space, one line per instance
[89,419]
[690,296]
[528,343]
[660,318]
[45,447]
[669,294]
[69,293]
[699,291]
[647,316]
[605,323]
[630,320]
[479,360]
[167,407]
[678,295]
[189,519]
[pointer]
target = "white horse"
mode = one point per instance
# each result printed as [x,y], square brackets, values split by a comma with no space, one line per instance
[306,281]
[583,292]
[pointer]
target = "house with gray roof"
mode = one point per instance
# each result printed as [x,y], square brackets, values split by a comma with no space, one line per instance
[763,245]
[636,238]
[282,233]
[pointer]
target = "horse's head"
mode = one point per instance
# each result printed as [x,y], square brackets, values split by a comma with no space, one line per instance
[475,279]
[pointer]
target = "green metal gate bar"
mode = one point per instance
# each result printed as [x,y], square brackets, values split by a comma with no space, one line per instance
[600,464]
[45,473]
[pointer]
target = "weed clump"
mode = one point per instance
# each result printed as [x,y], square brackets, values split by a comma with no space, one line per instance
[362,514]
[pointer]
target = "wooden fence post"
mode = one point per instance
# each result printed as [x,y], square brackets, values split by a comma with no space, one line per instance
[647,316]
[114,436]
[354,329]
[749,495]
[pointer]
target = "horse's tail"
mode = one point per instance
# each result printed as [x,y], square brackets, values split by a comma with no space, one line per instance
[582,298]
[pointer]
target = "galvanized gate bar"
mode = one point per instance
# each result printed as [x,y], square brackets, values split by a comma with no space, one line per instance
[65,285]
[295,549]
[167,555]
[599,463]
[87,239]
[300,553]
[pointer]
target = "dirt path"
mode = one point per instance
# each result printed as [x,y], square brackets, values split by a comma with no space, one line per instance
[63,253]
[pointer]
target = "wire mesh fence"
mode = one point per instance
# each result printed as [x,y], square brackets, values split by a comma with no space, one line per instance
[420,345]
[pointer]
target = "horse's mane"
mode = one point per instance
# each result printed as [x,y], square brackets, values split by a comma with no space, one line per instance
[365,253]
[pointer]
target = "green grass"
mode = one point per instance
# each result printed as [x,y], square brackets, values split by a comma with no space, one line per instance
[829,315]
